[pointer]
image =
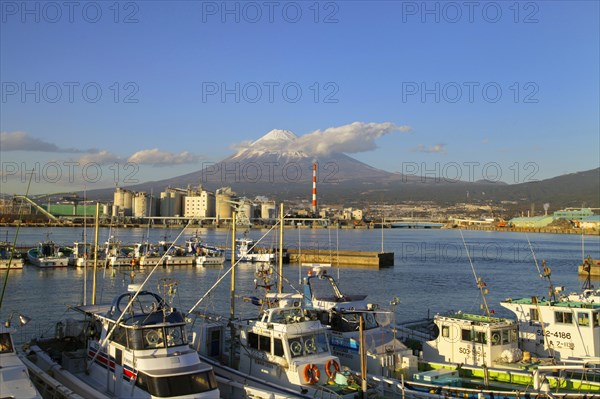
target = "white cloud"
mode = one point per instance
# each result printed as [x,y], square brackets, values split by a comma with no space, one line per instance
[157,157]
[101,157]
[435,149]
[21,141]
[351,138]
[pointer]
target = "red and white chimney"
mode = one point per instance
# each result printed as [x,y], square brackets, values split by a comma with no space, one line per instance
[314,189]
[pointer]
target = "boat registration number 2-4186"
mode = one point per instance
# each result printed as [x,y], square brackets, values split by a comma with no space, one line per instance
[559,335]
[556,334]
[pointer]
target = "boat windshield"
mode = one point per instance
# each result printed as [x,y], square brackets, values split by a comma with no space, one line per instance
[178,385]
[345,322]
[308,345]
[153,338]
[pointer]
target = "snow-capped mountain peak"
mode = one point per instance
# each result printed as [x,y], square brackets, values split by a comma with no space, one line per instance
[276,142]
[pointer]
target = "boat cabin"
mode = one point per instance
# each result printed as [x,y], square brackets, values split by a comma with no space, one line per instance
[474,340]
[566,328]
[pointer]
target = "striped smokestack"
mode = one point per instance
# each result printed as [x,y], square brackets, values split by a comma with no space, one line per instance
[314,191]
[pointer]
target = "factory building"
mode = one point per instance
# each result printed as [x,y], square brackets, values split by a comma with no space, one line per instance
[199,204]
[171,201]
[223,202]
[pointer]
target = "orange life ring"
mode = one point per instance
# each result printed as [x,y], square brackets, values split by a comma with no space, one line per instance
[331,372]
[311,374]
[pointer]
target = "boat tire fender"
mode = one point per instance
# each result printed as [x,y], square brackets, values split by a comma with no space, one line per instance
[311,374]
[331,371]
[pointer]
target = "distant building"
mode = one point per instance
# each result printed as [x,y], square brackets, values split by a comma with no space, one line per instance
[171,202]
[357,214]
[590,222]
[200,204]
[573,214]
[534,221]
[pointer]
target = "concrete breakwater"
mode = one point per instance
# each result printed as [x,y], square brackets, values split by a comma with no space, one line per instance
[342,258]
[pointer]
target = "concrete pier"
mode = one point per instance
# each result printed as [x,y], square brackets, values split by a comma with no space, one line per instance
[342,258]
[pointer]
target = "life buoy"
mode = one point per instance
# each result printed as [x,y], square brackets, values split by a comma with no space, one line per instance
[311,374]
[331,372]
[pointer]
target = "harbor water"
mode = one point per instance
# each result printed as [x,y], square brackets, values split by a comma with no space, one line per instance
[434,270]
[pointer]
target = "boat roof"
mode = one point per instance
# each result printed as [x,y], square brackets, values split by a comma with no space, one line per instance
[476,319]
[564,303]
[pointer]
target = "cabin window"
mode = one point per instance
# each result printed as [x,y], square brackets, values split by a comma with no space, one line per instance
[264,343]
[583,319]
[534,316]
[596,319]
[308,345]
[120,336]
[175,336]
[153,338]
[259,342]
[445,331]
[474,336]
[252,340]
[278,347]
[135,338]
[505,337]
[563,317]
[496,338]
[5,343]
[179,385]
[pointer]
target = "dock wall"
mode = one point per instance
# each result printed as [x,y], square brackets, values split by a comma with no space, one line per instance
[342,258]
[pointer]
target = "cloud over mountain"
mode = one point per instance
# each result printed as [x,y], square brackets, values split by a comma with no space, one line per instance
[350,139]
[157,157]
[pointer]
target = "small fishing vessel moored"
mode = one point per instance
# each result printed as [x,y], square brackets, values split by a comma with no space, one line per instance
[134,347]
[49,254]
[9,257]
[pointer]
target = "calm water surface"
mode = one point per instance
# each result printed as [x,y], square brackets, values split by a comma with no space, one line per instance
[432,271]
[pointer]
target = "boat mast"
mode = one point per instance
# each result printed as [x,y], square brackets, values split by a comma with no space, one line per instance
[480,283]
[232,299]
[96,229]
[280,277]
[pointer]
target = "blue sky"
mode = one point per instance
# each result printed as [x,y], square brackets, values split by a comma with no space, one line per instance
[514,85]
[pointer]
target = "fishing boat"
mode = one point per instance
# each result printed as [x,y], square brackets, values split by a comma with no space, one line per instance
[116,254]
[247,252]
[49,254]
[14,377]
[386,355]
[565,327]
[164,252]
[9,257]
[203,254]
[134,347]
[283,351]
[83,255]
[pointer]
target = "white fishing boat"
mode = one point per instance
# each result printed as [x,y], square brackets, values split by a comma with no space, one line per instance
[565,327]
[283,351]
[386,355]
[135,347]
[204,255]
[49,254]
[246,252]
[9,257]
[83,255]
[14,377]
[116,254]
[164,253]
